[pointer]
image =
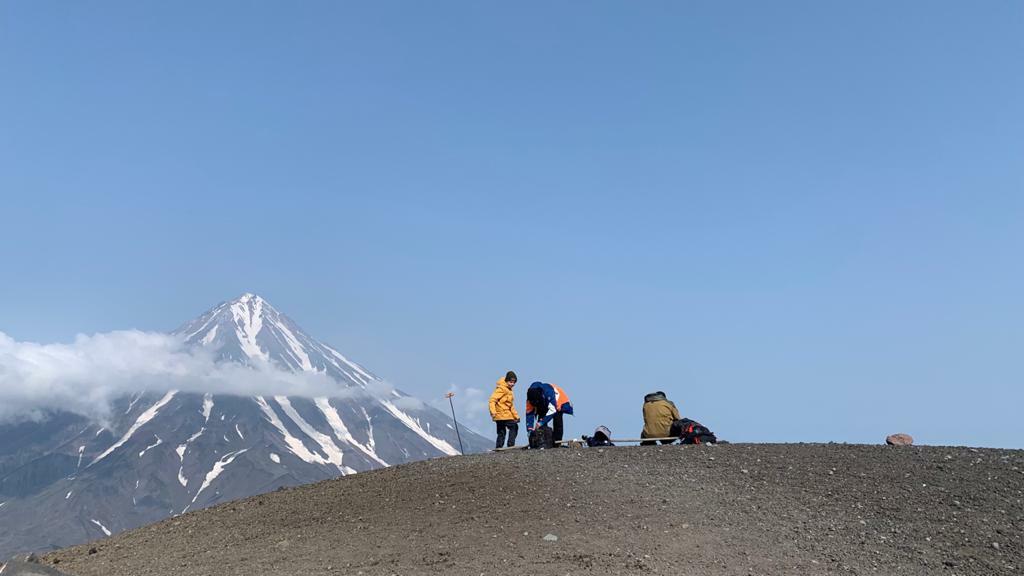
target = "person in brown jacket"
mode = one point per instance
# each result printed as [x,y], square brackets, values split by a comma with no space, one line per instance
[659,414]
[503,410]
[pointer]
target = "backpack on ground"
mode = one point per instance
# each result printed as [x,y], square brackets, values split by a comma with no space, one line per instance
[543,437]
[692,432]
[602,437]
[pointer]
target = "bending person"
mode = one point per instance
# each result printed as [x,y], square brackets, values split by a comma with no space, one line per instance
[544,403]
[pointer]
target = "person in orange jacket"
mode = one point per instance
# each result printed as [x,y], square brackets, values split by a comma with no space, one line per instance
[541,398]
[503,410]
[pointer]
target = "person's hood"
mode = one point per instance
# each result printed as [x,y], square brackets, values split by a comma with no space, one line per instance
[501,382]
[655,396]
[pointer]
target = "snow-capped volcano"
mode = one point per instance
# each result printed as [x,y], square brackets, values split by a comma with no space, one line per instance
[66,479]
[249,330]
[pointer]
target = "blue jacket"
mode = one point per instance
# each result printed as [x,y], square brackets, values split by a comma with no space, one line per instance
[555,396]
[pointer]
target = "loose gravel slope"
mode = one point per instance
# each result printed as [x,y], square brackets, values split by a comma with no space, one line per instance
[710,510]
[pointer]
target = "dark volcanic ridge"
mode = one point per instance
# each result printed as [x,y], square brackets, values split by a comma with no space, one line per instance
[730,509]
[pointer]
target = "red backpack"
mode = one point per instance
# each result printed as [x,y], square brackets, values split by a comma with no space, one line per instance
[692,432]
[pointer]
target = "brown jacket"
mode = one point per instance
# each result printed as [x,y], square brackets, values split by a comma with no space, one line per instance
[659,413]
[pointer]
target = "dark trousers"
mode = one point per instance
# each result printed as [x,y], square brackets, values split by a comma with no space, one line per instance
[513,430]
[559,429]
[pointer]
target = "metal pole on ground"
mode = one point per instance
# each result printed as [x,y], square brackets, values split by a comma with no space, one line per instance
[449,396]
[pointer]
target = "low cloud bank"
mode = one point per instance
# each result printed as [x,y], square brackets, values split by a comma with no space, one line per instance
[86,375]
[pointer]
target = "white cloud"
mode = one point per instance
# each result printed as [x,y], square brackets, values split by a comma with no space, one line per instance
[408,403]
[87,374]
[470,408]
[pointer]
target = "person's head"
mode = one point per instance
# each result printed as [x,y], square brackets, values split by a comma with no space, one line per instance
[535,397]
[655,396]
[510,378]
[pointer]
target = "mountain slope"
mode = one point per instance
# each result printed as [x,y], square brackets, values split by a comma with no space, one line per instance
[66,480]
[717,510]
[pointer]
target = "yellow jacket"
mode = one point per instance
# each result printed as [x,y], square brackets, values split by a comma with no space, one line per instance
[659,413]
[503,403]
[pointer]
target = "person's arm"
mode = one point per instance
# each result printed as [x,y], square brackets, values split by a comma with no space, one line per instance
[529,416]
[547,419]
[493,404]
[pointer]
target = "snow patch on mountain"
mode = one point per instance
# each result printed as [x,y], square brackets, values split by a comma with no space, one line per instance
[216,471]
[334,454]
[413,425]
[151,446]
[207,406]
[296,348]
[295,446]
[145,417]
[341,431]
[247,312]
[106,532]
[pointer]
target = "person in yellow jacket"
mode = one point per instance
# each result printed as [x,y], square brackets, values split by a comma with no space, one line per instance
[503,410]
[659,414]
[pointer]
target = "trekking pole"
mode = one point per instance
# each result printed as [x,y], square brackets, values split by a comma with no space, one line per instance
[449,396]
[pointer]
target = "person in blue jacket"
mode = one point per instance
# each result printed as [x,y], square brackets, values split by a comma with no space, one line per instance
[541,397]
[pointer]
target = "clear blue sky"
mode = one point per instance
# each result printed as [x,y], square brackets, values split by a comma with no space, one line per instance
[802,220]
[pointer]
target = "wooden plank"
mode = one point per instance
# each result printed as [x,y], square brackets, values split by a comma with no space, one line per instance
[614,440]
[643,439]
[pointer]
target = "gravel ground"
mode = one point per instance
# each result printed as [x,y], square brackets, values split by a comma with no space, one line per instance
[709,510]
